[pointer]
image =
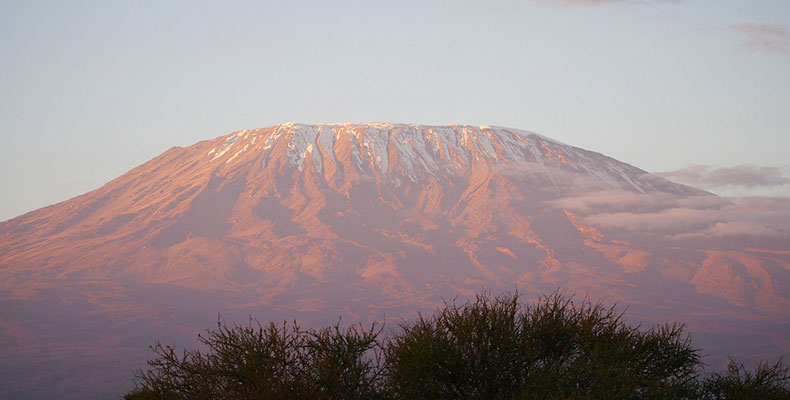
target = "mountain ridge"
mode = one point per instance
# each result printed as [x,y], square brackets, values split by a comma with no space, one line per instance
[315,221]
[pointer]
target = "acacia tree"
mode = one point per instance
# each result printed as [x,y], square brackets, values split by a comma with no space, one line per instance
[272,362]
[498,348]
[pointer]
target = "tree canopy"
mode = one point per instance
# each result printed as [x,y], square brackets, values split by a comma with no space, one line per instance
[490,348]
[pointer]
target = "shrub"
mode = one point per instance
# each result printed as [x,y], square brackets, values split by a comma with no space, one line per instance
[767,382]
[273,362]
[491,348]
[497,348]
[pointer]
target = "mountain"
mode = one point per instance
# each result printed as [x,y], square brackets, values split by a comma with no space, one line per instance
[369,221]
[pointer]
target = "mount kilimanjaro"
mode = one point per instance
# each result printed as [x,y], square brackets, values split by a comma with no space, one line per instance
[365,221]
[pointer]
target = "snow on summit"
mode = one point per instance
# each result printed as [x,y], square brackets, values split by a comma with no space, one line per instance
[410,151]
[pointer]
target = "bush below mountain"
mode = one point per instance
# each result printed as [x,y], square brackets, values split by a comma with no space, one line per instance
[491,348]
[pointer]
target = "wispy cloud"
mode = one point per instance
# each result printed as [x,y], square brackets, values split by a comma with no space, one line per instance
[732,228]
[699,215]
[741,180]
[682,217]
[747,175]
[750,217]
[766,37]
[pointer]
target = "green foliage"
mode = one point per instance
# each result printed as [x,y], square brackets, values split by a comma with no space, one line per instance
[767,382]
[499,349]
[471,351]
[273,362]
[491,348]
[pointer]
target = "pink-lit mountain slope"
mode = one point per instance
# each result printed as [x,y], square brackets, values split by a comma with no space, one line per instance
[362,220]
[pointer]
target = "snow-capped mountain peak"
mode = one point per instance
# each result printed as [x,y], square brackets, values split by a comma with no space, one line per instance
[408,152]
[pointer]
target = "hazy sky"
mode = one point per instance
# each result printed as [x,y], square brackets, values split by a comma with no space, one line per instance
[89,90]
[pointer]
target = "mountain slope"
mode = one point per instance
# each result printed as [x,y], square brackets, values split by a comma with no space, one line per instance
[315,221]
[311,179]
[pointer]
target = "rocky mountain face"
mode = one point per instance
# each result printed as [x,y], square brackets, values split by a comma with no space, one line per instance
[369,221]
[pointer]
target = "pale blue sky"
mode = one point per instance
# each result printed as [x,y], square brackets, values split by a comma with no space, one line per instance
[88,90]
